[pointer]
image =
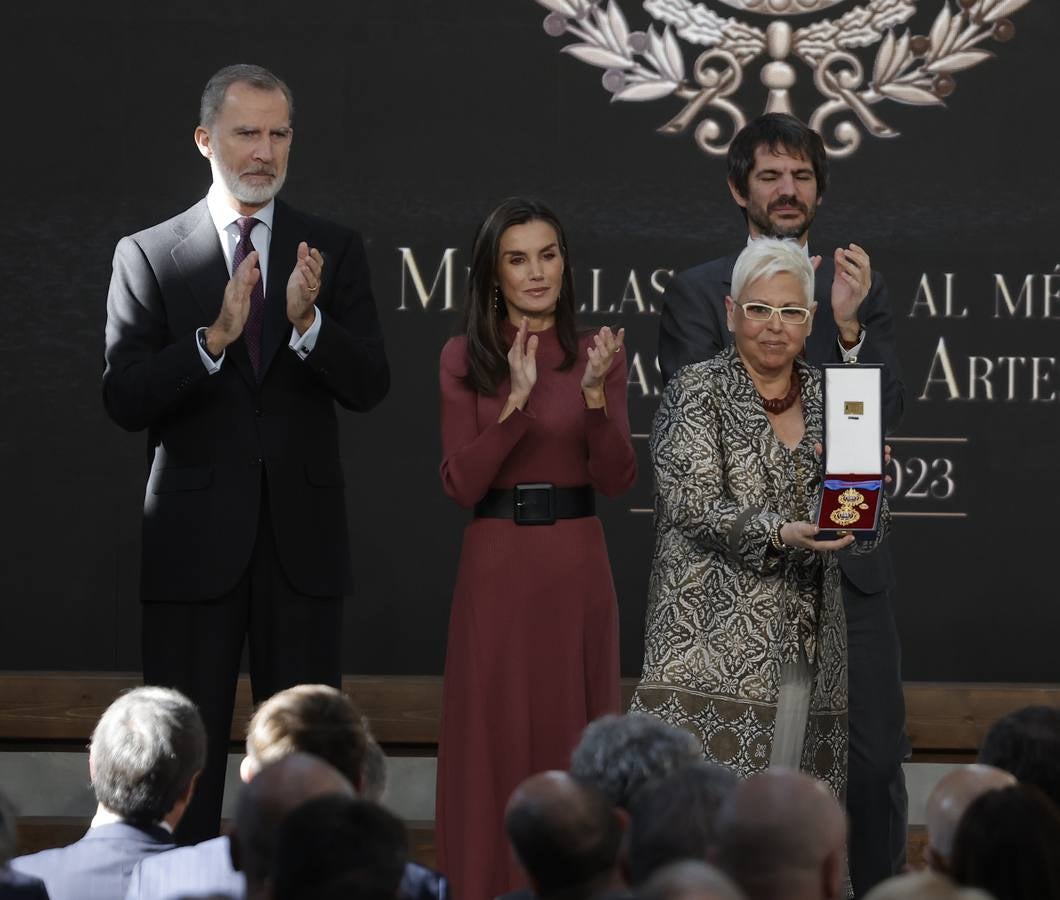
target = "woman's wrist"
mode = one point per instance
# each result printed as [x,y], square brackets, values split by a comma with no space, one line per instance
[594,396]
[776,539]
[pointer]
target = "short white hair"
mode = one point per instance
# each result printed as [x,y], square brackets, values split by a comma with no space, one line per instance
[765,257]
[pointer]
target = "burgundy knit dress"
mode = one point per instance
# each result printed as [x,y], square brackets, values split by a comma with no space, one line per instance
[533,635]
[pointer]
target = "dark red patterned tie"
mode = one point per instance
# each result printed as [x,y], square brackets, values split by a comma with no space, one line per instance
[256,316]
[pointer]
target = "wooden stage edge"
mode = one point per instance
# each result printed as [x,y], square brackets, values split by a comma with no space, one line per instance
[404,710]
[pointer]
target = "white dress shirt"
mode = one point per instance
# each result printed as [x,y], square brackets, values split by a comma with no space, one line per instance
[225,220]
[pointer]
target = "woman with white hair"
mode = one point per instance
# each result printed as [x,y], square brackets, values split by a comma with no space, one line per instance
[745,641]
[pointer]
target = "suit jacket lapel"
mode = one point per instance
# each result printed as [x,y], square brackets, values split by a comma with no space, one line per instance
[283,251]
[201,262]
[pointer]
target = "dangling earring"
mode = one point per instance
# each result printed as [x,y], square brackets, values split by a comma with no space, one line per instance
[498,300]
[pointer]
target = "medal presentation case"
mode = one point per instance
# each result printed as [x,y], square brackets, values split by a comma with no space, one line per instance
[853,451]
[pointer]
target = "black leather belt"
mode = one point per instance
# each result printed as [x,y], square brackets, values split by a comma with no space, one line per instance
[537,504]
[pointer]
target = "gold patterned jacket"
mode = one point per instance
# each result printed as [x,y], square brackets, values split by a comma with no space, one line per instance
[725,611]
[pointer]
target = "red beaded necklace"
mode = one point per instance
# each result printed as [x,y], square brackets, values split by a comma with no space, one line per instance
[778,405]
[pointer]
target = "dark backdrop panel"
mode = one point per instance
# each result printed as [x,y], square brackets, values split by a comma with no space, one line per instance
[413,119]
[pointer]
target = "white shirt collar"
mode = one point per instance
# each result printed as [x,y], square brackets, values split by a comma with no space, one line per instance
[223,215]
[104,816]
[805,248]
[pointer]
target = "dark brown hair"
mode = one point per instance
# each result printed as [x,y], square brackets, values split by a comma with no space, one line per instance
[1008,843]
[777,131]
[487,350]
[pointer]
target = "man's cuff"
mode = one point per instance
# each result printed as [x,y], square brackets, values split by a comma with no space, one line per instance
[303,344]
[851,355]
[213,366]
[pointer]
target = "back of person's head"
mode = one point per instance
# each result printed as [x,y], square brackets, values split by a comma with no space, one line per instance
[675,816]
[924,885]
[273,793]
[946,804]
[339,847]
[689,880]
[1008,843]
[565,833]
[374,771]
[1027,744]
[8,831]
[783,834]
[619,754]
[146,751]
[309,718]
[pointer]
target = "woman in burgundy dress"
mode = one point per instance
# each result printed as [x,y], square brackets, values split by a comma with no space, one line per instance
[534,421]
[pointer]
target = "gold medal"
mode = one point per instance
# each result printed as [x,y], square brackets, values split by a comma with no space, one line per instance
[845,516]
[850,497]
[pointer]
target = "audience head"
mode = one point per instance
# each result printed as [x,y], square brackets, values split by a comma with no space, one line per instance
[954,793]
[674,818]
[619,754]
[565,833]
[147,750]
[309,718]
[1008,843]
[339,848]
[275,791]
[782,834]
[689,880]
[925,885]
[374,771]
[1027,744]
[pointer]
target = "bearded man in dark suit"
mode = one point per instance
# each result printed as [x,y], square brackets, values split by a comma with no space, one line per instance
[778,173]
[233,329]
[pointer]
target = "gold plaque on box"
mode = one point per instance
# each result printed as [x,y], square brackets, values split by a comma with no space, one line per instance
[853,407]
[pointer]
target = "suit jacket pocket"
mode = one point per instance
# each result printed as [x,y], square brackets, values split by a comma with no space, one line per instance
[182,478]
[324,474]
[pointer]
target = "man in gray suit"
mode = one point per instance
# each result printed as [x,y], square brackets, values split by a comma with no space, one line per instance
[145,756]
[778,173]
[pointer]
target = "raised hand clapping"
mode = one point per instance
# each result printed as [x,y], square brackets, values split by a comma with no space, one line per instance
[601,356]
[522,368]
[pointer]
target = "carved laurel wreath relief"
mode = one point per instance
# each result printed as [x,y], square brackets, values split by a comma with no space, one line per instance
[858,59]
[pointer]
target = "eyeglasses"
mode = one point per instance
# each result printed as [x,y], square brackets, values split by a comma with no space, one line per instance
[763,312]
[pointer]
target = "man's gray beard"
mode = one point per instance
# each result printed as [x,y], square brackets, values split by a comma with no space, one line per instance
[252,195]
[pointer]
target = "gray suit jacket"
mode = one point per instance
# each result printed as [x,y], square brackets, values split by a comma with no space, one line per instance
[201,870]
[693,329]
[98,866]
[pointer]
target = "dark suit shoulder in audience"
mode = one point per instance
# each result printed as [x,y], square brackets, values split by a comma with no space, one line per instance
[201,870]
[16,886]
[98,866]
[420,883]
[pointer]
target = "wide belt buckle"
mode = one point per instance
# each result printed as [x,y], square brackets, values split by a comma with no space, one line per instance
[535,504]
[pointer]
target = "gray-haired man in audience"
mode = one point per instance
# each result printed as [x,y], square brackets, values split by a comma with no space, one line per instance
[308,718]
[147,751]
[619,754]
